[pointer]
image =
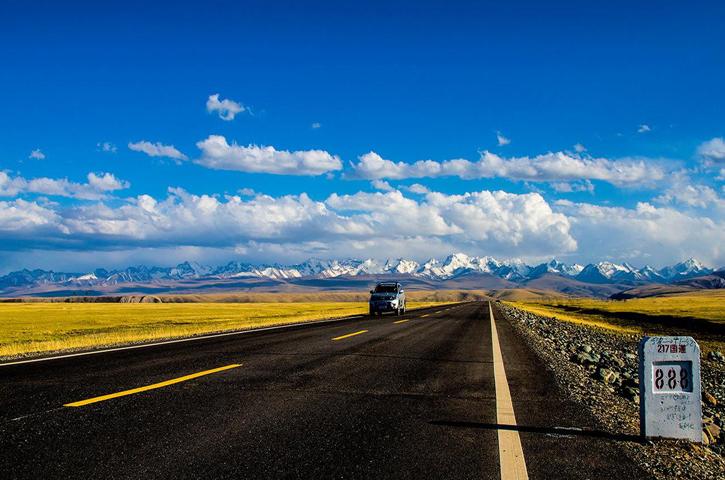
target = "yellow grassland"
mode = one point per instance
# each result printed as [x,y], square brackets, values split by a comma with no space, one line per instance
[580,319]
[38,328]
[262,297]
[703,304]
[690,313]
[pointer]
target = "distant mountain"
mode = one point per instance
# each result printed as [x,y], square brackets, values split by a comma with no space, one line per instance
[608,272]
[556,267]
[684,270]
[27,277]
[603,278]
[650,274]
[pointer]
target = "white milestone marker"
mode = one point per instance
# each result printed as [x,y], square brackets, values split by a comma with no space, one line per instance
[669,388]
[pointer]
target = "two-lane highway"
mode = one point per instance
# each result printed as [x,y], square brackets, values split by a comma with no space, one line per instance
[392,397]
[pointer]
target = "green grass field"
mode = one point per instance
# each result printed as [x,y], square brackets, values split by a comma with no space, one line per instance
[36,328]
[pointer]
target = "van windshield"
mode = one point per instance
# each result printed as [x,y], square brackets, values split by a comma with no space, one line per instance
[386,289]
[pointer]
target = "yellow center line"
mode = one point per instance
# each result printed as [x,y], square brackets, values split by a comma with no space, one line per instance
[341,337]
[150,387]
[426,315]
[401,321]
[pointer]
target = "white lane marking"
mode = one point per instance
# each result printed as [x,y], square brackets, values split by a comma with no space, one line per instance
[28,415]
[179,340]
[511,455]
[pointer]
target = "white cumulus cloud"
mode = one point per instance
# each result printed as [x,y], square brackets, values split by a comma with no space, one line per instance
[36,154]
[97,187]
[19,216]
[712,151]
[643,128]
[496,222]
[559,166]
[157,150]
[684,191]
[382,185]
[218,154]
[645,234]
[106,147]
[502,222]
[11,186]
[569,187]
[418,188]
[226,109]
[502,140]
[106,182]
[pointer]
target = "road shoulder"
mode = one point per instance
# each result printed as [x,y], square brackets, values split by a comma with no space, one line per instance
[557,434]
[553,344]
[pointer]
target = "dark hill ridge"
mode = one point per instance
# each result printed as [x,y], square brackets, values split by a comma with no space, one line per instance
[716,280]
[706,282]
[572,286]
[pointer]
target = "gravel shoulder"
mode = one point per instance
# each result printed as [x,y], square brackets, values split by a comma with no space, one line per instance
[598,369]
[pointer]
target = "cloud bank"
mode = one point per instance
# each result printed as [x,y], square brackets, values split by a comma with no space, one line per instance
[559,166]
[645,233]
[363,224]
[97,187]
[502,221]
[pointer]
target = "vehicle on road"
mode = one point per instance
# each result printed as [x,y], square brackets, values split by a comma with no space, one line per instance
[387,297]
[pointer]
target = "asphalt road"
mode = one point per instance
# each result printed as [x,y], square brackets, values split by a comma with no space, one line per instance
[414,399]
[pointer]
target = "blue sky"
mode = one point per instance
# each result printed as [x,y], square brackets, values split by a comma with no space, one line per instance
[609,115]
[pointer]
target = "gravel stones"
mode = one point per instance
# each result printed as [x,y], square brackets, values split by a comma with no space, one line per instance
[599,370]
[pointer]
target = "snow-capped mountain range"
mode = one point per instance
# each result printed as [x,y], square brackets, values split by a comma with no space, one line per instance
[453,266]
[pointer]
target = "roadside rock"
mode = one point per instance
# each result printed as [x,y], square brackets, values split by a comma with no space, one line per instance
[631,394]
[607,376]
[585,358]
[716,356]
[140,299]
[713,432]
